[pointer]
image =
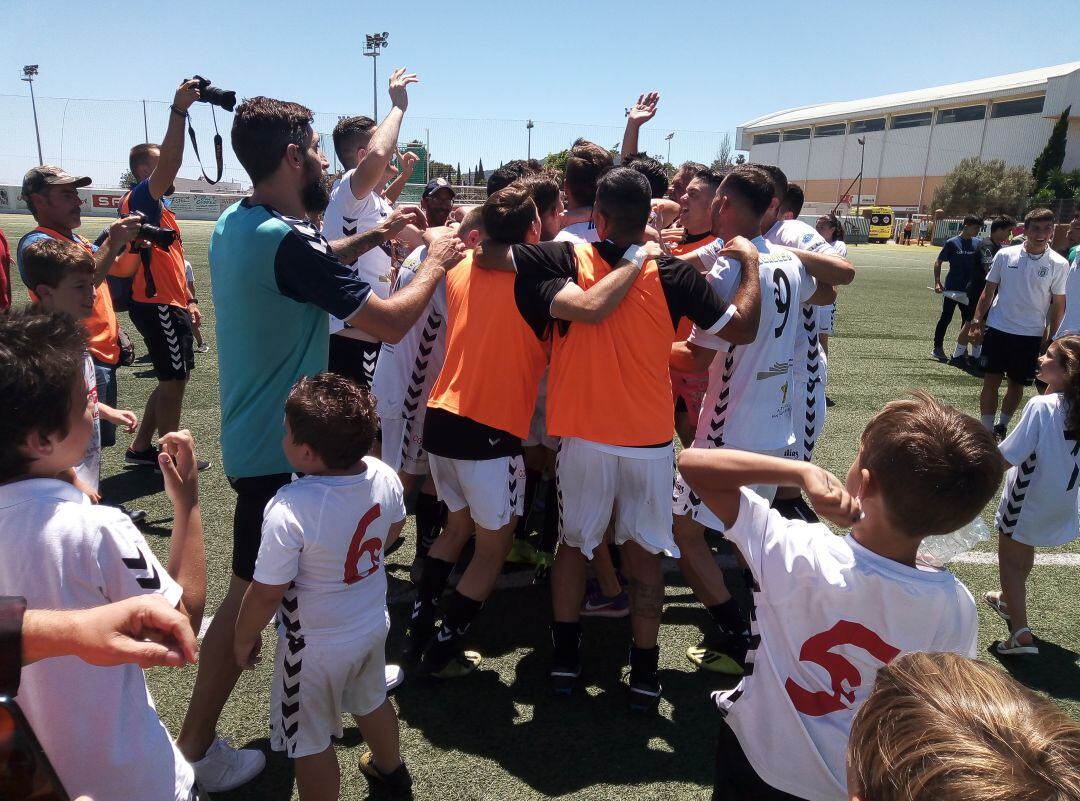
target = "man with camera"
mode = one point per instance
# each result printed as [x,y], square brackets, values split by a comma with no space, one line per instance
[160,307]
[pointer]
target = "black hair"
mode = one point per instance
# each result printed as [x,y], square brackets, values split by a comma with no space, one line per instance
[780,181]
[793,200]
[263,128]
[750,185]
[510,172]
[653,171]
[351,134]
[623,196]
[585,163]
[971,219]
[1001,222]
[508,214]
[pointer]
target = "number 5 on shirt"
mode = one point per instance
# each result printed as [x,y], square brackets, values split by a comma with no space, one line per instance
[359,546]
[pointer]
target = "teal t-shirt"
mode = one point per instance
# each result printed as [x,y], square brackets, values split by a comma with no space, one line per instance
[274,279]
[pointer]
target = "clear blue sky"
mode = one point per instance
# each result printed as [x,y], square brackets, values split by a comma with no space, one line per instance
[579,62]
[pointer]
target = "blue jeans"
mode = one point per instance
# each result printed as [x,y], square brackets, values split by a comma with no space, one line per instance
[106,391]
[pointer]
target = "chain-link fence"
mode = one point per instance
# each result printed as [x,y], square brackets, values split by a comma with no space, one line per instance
[92,137]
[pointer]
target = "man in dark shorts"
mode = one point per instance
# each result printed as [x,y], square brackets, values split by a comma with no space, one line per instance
[960,254]
[1024,281]
[1000,232]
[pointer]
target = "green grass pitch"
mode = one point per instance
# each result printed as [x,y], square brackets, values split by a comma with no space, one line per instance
[499,734]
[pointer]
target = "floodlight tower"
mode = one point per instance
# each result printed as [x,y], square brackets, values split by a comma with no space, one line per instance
[30,72]
[375,41]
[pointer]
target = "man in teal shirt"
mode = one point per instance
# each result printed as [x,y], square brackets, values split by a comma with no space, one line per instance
[275,279]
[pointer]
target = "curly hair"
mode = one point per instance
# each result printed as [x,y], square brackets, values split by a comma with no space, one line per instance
[1069,359]
[334,417]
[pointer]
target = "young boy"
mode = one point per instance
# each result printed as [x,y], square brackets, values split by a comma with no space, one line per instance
[61,274]
[98,725]
[830,611]
[320,561]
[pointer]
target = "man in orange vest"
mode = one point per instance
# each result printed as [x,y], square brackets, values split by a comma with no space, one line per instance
[160,306]
[609,399]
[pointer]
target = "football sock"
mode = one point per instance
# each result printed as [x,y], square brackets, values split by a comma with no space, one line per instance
[728,617]
[988,421]
[643,664]
[1005,419]
[532,479]
[429,519]
[566,641]
[429,592]
[961,350]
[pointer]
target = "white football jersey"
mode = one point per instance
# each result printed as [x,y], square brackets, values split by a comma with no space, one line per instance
[345,216]
[800,236]
[97,724]
[1026,286]
[406,371]
[829,614]
[579,233]
[324,536]
[1039,500]
[1070,323]
[748,405]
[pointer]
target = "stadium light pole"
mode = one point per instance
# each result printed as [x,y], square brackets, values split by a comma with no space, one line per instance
[29,72]
[374,42]
[669,137]
[862,159]
[529,127]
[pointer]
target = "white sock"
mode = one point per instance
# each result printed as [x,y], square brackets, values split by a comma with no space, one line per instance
[976,351]
[1005,419]
[988,421]
[961,350]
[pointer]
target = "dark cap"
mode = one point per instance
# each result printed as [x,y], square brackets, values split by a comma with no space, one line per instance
[435,184]
[40,178]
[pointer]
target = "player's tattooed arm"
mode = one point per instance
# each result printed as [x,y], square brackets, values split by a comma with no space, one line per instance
[352,247]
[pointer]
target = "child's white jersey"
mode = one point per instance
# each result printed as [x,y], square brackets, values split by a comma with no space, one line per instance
[748,403]
[406,371]
[325,536]
[829,614]
[1039,501]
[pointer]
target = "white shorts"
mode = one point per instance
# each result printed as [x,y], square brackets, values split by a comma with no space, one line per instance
[807,416]
[825,317]
[538,426]
[403,443]
[595,480]
[684,501]
[492,489]
[315,684]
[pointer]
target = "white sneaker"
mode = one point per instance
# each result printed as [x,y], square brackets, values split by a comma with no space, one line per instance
[224,767]
[394,676]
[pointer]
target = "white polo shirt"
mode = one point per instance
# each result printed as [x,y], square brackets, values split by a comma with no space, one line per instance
[97,724]
[1026,285]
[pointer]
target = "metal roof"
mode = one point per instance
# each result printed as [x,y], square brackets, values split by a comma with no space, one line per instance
[1014,83]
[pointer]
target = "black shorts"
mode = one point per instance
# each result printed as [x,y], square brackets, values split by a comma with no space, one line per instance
[1013,355]
[353,358]
[166,330]
[736,779]
[252,495]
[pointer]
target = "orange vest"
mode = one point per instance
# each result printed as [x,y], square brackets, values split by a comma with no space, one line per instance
[686,324]
[609,382]
[102,331]
[494,360]
[166,266]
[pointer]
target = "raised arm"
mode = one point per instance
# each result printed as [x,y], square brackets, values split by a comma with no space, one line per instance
[172,146]
[391,319]
[350,248]
[408,161]
[187,551]
[642,111]
[383,141]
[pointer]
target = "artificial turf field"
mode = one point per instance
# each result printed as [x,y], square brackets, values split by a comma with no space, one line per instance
[500,734]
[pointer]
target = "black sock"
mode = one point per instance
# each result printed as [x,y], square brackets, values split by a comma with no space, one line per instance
[566,640]
[460,613]
[429,517]
[728,617]
[644,663]
[532,479]
[549,534]
[432,583]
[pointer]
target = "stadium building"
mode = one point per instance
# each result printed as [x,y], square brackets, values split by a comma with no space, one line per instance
[912,140]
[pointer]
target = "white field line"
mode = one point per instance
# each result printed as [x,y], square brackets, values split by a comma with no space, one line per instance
[523,578]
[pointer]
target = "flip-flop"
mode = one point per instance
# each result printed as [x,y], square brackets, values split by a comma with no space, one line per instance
[994,602]
[1013,647]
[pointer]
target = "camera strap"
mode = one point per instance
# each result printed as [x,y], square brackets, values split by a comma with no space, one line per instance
[217,148]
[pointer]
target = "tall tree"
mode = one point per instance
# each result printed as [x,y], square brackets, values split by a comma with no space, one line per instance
[458,182]
[481,179]
[1053,155]
[722,162]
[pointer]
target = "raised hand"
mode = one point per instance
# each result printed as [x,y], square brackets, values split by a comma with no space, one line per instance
[645,108]
[179,468]
[407,160]
[399,82]
[186,94]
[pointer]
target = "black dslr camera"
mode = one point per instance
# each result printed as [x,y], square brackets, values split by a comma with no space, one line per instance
[158,237]
[222,98]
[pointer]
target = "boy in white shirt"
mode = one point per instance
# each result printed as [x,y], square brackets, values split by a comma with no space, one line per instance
[830,611]
[321,562]
[98,725]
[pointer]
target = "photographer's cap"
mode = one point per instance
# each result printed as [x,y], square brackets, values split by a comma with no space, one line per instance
[435,184]
[41,178]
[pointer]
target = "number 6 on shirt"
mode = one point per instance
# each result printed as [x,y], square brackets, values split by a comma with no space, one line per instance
[359,546]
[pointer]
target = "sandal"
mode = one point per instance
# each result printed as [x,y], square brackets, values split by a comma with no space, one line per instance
[994,602]
[1013,646]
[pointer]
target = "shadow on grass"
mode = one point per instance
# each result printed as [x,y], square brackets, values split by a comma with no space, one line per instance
[275,783]
[1054,671]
